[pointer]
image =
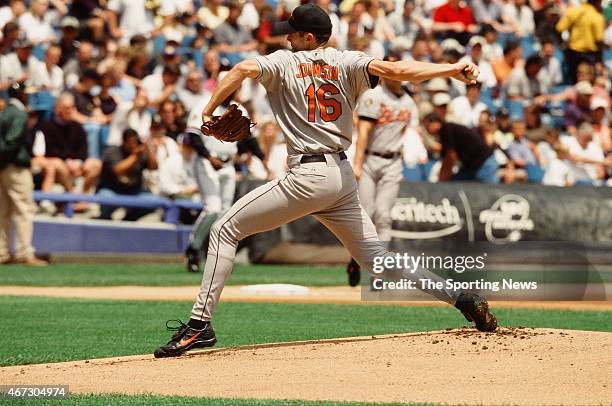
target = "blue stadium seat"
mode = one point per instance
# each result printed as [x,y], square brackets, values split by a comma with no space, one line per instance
[412,174]
[516,109]
[43,104]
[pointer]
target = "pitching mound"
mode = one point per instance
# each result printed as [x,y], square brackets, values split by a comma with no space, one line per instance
[511,366]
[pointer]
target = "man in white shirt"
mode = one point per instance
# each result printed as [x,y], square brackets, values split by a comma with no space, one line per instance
[551,73]
[486,77]
[36,22]
[56,74]
[21,65]
[465,110]
[159,87]
[191,92]
[588,165]
[134,18]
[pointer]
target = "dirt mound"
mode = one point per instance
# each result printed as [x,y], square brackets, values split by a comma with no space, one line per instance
[511,366]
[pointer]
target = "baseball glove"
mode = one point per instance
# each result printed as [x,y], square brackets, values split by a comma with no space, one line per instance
[230,126]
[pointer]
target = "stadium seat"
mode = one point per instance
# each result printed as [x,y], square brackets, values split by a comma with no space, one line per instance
[412,174]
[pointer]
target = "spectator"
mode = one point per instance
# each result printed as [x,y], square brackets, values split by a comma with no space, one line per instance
[559,171]
[176,175]
[440,103]
[36,22]
[521,151]
[486,77]
[588,164]
[578,110]
[55,73]
[232,40]
[212,13]
[465,110]
[601,124]
[127,18]
[503,134]
[88,112]
[76,66]
[133,115]
[160,87]
[170,119]
[504,66]
[192,90]
[585,24]
[536,130]
[464,146]
[66,149]
[16,204]
[491,50]
[488,12]
[519,17]
[551,73]
[69,28]
[122,173]
[22,66]
[523,84]
[11,12]
[454,20]
[10,34]
[408,22]
[212,67]
[171,57]
[547,147]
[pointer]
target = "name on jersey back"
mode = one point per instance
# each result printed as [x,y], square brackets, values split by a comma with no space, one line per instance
[316,70]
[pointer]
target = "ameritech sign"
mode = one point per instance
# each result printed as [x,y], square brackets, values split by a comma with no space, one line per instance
[501,214]
[444,218]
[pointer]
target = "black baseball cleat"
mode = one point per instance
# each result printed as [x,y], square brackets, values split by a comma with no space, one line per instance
[476,309]
[186,338]
[354,273]
[193,259]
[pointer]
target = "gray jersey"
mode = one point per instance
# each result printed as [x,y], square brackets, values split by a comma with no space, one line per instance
[313,95]
[392,114]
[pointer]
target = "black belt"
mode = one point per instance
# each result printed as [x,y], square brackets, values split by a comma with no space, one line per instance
[306,159]
[388,155]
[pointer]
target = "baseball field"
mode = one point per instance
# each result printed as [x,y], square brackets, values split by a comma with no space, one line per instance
[94,327]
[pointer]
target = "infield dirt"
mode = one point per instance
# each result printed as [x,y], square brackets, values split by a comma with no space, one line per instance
[510,366]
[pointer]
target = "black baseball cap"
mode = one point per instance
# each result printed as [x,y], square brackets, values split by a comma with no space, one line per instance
[306,18]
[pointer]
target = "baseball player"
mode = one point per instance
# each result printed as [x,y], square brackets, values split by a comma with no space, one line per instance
[313,91]
[384,114]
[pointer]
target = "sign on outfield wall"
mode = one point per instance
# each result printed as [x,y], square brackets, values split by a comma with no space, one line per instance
[502,214]
[443,214]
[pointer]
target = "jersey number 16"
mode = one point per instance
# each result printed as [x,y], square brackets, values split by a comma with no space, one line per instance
[329,109]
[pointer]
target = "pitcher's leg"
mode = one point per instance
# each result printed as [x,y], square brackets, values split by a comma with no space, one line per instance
[265,208]
[351,224]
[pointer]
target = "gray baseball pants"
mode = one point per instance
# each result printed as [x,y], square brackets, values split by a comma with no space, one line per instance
[328,191]
[378,188]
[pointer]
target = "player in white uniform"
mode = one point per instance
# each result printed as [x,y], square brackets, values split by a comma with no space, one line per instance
[384,114]
[313,92]
[216,179]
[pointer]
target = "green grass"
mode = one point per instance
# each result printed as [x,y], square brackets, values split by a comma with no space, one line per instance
[187,401]
[164,275]
[175,275]
[37,329]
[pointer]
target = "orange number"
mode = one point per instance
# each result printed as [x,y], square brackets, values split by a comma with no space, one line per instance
[329,109]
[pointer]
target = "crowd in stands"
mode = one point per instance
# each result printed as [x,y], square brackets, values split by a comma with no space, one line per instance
[114,84]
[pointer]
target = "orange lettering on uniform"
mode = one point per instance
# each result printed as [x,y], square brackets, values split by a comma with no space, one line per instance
[316,70]
[324,70]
